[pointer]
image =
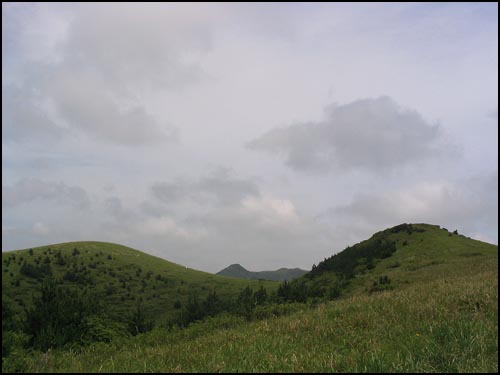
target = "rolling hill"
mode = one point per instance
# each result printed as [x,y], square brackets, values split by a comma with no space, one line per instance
[282,274]
[121,276]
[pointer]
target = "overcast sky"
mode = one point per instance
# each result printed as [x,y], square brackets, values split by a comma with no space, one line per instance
[271,135]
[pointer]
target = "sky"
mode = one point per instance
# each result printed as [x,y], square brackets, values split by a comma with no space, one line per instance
[270,135]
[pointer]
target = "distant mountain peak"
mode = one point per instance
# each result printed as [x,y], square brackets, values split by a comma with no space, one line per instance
[282,274]
[236,266]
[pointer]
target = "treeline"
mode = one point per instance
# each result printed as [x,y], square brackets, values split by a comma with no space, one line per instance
[64,317]
[356,259]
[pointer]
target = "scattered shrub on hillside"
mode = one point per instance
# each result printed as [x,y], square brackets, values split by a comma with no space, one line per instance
[60,261]
[76,276]
[383,283]
[30,252]
[394,265]
[110,290]
[36,272]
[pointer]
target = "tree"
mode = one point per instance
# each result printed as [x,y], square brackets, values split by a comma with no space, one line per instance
[284,291]
[212,304]
[193,310]
[260,296]
[138,322]
[246,303]
[58,316]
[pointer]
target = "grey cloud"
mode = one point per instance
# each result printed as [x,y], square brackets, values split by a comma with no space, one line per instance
[144,46]
[365,134]
[96,84]
[219,187]
[493,114]
[30,189]
[84,103]
[23,115]
[114,206]
[225,188]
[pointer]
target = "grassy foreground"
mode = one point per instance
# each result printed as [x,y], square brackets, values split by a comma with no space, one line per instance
[445,325]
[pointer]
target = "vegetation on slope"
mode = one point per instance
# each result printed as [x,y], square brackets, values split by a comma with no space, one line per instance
[121,277]
[448,325]
[404,254]
[75,294]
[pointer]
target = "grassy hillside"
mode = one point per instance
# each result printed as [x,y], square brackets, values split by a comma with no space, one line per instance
[122,277]
[396,257]
[413,298]
[282,274]
[448,325]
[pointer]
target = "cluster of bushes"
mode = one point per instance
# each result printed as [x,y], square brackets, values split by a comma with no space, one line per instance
[243,305]
[302,291]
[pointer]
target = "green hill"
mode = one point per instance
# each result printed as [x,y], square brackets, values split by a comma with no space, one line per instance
[121,276]
[397,257]
[412,298]
[282,274]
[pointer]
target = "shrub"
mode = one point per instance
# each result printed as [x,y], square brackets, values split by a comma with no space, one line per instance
[36,272]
